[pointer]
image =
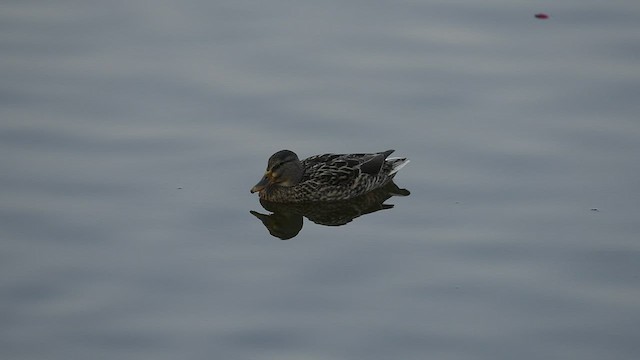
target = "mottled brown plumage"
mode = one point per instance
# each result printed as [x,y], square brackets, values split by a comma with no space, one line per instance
[327,177]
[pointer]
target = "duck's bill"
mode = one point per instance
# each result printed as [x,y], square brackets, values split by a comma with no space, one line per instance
[261,185]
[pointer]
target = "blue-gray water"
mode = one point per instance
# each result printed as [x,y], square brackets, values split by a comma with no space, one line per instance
[132,131]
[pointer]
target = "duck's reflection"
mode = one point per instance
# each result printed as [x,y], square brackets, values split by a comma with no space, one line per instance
[285,222]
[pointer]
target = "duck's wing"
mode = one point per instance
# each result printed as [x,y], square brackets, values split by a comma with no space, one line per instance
[342,169]
[369,163]
[335,171]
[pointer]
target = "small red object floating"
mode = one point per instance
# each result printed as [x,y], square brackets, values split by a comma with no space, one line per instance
[541,16]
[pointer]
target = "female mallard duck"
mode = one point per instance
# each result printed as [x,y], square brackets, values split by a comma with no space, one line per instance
[328,177]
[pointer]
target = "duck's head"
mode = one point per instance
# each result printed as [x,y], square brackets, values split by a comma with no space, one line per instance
[283,169]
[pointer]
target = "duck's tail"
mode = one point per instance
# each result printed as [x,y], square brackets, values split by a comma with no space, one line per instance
[397,164]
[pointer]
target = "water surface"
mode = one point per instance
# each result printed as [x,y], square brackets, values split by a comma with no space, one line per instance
[132,132]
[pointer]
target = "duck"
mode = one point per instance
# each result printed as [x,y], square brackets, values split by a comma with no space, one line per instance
[326,177]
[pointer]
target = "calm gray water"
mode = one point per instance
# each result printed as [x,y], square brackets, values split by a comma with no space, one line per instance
[132,131]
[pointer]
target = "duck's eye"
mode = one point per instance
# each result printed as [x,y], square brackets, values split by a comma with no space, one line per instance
[274,167]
